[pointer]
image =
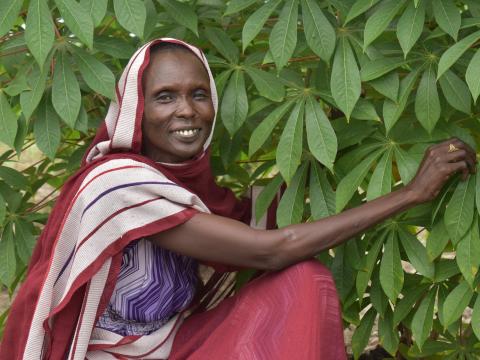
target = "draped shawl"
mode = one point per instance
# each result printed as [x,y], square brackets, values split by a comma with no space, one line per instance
[117,196]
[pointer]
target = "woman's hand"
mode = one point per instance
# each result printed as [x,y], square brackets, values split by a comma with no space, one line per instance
[440,162]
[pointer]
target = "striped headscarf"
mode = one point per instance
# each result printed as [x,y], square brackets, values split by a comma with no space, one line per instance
[116,197]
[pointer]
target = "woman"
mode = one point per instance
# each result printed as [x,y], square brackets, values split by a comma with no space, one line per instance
[113,274]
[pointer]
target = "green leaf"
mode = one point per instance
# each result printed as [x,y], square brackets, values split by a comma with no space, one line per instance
[363,276]
[132,14]
[381,180]
[13,177]
[66,97]
[454,52]
[235,6]
[391,272]
[471,76]
[407,165]
[448,17]
[8,263]
[423,319]
[342,272]
[393,110]
[358,8]
[350,183]
[322,197]
[376,68]
[345,79]
[24,240]
[380,19]
[321,137]
[456,92]
[406,304]
[377,297]
[476,318]
[387,85]
[364,110]
[417,254]
[456,302]
[468,253]
[445,269]
[291,205]
[459,213]
[3,209]
[223,43]
[283,37]
[255,22]
[39,33]
[289,150]
[265,128]
[437,240]
[427,102]
[29,100]
[96,8]
[77,19]
[319,33]
[17,85]
[8,14]
[266,197]
[8,122]
[267,84]
[234,108]
[97,75]
[387,333]
[410,26]
[114,47]
[46,129]
[362,332]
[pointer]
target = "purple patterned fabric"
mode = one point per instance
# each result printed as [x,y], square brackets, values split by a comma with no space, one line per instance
[152,286]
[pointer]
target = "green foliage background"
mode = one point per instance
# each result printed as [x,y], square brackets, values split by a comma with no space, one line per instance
[339,98]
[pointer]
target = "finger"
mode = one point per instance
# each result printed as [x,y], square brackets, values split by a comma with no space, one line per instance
[462,145]
[461,155]
[459,166]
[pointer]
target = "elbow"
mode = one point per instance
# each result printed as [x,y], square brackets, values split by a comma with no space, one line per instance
[278,252]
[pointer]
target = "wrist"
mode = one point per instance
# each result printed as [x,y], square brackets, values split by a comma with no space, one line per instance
[412,197]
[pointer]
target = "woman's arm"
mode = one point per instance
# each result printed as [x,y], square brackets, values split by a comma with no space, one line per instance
[218,239]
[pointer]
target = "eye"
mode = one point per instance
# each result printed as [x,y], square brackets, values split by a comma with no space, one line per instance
[164,97]
[201,94]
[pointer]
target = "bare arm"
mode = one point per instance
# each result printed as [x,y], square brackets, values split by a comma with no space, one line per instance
[214,238]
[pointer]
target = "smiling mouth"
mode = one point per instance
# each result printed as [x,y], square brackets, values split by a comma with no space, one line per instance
[186,133]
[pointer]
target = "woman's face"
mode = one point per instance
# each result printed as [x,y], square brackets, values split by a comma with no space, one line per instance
[178,111]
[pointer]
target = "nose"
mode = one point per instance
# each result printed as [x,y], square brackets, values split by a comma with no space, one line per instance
[185,108]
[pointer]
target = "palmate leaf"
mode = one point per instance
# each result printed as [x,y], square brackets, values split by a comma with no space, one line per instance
[345,80]
[471,76]
[437,240]
[381,180]
[363,276]
[456,92]
[8,122]
[291,206]
[319,33]
[365,110]
[391,272]
[39,33]
[416,253]
[24,240]
[3,209]
[350,183]
[387,333]
[410,25]
[223,44]
[234,107]
[46,129]
[265,128]
[131,14]
[342,272]
[448,17]
[66,97]
[377,297]
[358,8]
[388,85]
[454,52]
[283,37]
[77,19]
[476,318]
[267,84]
[456,302]
[380,19]
[256,21]
[427,102]
[9,10]
[8,263]
[322,197]
[321,137]
[376,68]
[406,304]
[30,99]
[362,332]
[460,210]
[468,253]
[423,319]
[97,75]
[289,150]
[96,8]
[267,195]
[235,6]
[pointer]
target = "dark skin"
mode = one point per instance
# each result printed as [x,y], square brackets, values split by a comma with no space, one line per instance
[218,239]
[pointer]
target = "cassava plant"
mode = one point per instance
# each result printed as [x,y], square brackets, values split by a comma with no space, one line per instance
[336,98]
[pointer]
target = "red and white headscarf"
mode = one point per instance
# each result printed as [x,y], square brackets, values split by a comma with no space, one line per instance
[116,197]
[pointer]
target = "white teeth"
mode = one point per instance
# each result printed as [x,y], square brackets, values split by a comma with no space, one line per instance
[189,132]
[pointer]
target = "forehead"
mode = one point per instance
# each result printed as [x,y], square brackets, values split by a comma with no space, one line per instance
[174,64]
